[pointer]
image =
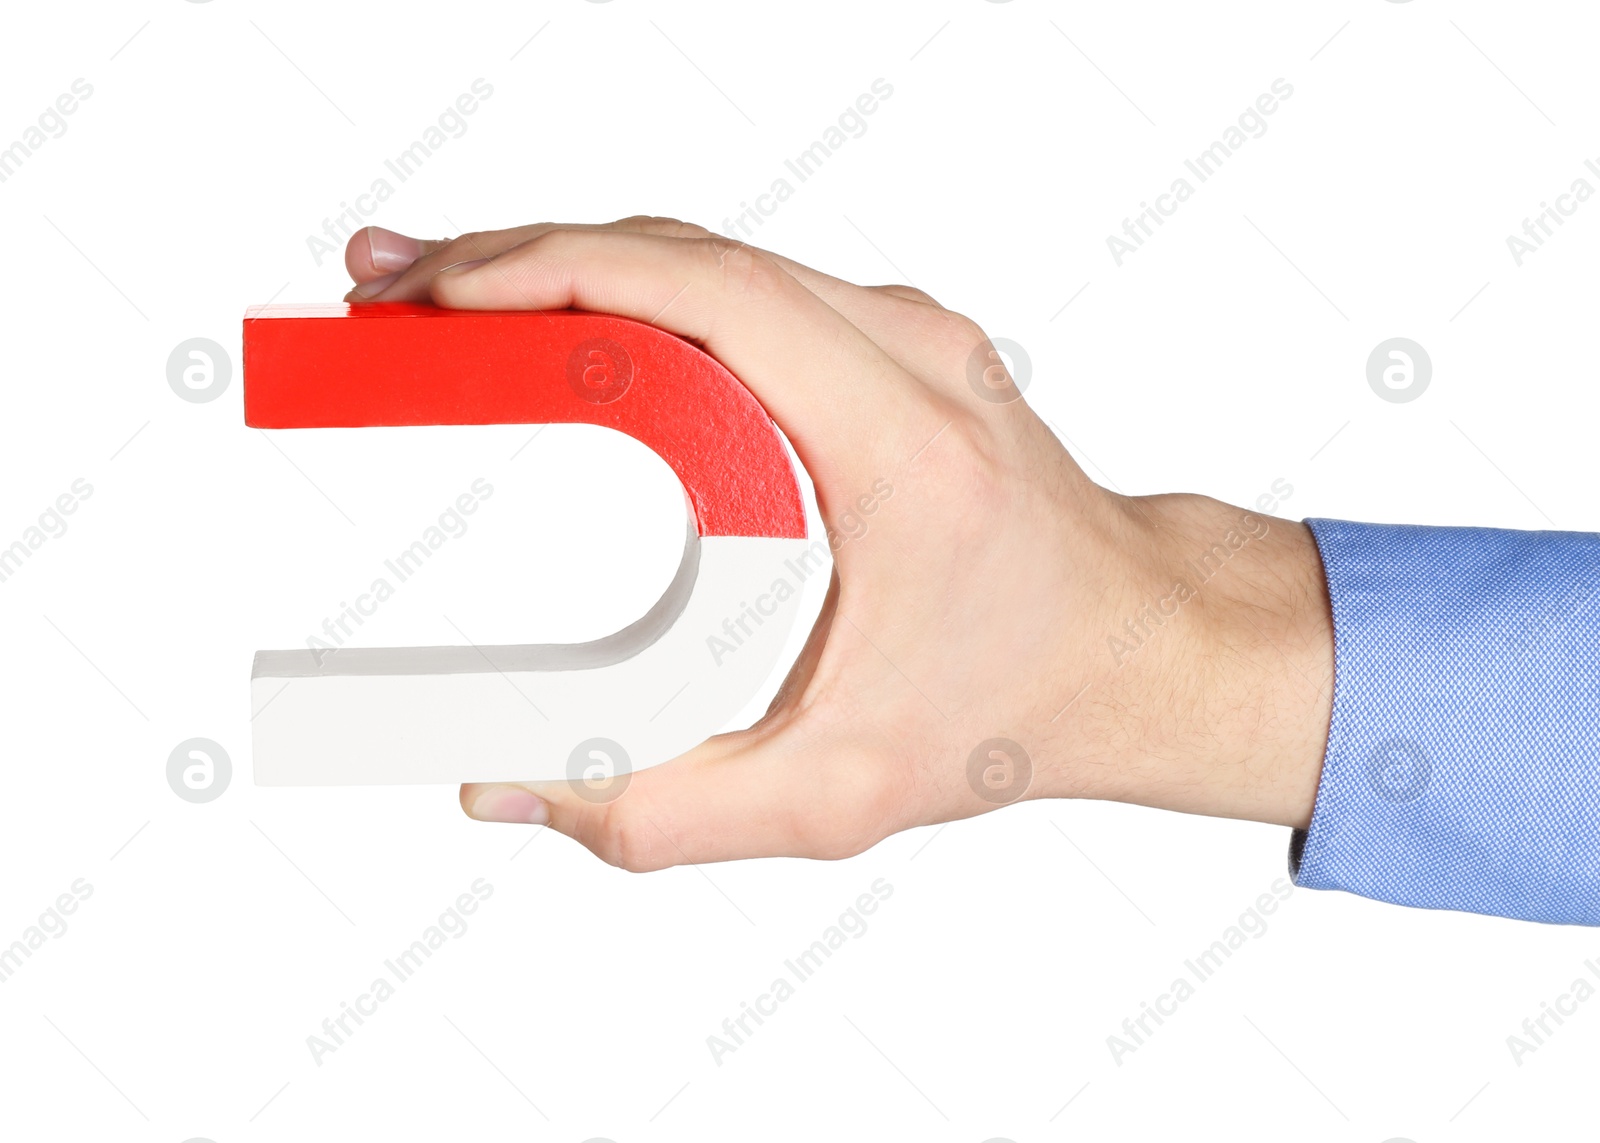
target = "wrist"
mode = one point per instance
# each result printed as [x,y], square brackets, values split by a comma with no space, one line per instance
[1270,657]
[1214,692]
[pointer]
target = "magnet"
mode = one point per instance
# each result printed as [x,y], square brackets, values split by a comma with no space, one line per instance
[674,677]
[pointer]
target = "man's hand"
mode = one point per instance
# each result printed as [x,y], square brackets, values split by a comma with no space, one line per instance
[1171,650]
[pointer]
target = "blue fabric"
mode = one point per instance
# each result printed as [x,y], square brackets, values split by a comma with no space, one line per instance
[1463,763]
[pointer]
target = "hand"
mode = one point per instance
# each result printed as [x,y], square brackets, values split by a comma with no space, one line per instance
[1167,650]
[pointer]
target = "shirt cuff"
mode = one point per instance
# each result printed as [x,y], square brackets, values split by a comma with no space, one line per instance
[1463,761]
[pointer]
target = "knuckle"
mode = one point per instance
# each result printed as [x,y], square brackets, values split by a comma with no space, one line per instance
[910,294]
[619,838]
[464,247]
[742,271]
[665,226]
[975,453]
[973,476]
[960,331]
[554,244]
[691,230]
[952,336]
[864,804]
[964,349]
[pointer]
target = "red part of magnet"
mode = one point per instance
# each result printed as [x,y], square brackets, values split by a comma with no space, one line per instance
[391,363]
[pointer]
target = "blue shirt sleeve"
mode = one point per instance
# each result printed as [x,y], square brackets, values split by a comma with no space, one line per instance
[1463,762]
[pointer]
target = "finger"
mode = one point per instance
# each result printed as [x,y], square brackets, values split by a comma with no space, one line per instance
[379,259]
[910,294]
[927,339]
[931,342]
[410,282]
[409,269]
[918,337]
[837,394]
[743,795]
[374,253]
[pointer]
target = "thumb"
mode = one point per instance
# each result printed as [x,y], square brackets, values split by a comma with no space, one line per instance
[764,792]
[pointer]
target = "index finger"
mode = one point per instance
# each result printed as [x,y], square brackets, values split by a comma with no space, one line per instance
[845,404]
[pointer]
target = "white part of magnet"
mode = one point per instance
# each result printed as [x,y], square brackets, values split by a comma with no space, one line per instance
[405,715]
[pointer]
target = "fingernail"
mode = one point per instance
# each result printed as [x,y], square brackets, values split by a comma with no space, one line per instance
[459,267]
[377,285]
[510,804]
[391,251]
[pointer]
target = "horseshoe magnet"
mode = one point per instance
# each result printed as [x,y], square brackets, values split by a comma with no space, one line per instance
[672,678]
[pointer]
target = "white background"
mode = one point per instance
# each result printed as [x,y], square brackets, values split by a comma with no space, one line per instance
[1229,352]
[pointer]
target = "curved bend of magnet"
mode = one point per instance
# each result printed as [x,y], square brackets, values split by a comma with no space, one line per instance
[358,716]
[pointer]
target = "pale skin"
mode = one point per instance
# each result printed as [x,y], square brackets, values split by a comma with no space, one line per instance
[991,596]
